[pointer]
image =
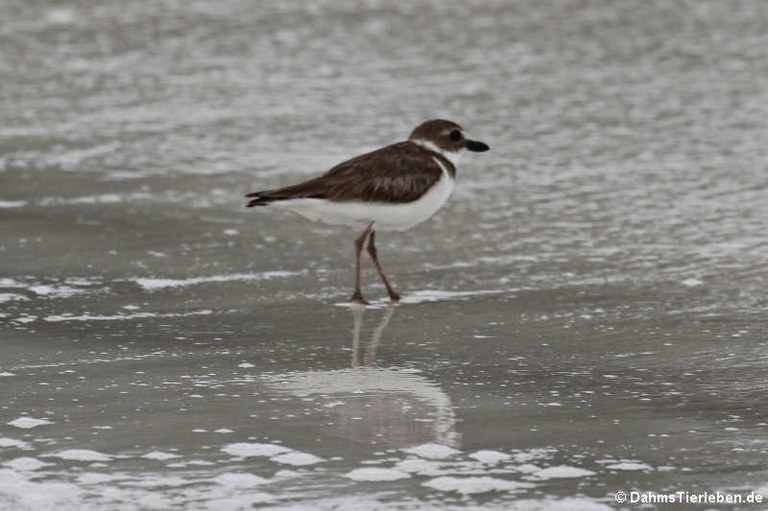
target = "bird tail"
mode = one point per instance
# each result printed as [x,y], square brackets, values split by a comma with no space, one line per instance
[306,190]
[267,197]
[261,199]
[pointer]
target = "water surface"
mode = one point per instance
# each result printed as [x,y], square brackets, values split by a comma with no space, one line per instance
[587,314]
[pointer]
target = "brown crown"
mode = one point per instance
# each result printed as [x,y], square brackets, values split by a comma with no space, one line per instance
[438,132]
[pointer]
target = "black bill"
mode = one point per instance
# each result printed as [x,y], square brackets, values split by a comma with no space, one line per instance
[478,147]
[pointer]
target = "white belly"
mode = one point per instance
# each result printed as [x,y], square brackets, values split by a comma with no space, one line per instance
[387,216]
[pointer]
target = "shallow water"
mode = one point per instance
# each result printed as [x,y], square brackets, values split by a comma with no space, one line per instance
[587,315]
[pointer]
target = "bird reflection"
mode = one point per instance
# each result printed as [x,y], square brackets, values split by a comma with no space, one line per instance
[394,407]
[358,312]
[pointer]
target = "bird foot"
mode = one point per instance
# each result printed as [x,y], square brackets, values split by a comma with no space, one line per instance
[357,297]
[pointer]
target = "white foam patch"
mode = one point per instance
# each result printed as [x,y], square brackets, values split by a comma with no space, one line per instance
[160,456]
[562,472]
[8,204]
[438,295]
[50,291]
[490,457]
[376,474]
[121,317]
[28,422]
[240,503]
[21,490]
[248,450]
[20,493]
[106,198]
[297,459]
[84,281]
[153,284]
[26,464]
[432,451]
[471,485]
[527,468]
[12,442]
[12,297]
[8,282]
[239,480]
[72,286]
[629,466]
[533,454]
[80,455]
[692,282]
[421,467]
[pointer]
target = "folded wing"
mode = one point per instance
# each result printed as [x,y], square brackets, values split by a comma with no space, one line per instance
[400,172]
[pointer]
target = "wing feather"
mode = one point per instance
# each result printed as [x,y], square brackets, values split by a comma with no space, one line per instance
[401,172]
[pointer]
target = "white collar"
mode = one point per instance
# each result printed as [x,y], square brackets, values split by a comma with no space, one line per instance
[452,156]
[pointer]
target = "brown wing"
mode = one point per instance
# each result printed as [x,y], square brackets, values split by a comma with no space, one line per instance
[401,172]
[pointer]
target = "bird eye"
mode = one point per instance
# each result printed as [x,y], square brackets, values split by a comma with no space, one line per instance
[455,135]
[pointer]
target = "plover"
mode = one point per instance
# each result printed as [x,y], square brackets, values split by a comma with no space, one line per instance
[391,189]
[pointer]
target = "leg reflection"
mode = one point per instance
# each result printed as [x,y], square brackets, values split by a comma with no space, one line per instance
[370,353]
[357,315]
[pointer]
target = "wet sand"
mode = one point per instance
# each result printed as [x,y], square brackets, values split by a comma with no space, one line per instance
[587,314]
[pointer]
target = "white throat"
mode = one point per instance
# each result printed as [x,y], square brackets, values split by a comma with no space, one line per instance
[452,156]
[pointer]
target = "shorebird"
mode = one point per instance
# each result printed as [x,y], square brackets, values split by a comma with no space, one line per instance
[392,188]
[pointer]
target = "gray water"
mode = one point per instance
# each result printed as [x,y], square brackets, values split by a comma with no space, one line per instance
[587,315]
